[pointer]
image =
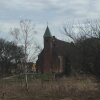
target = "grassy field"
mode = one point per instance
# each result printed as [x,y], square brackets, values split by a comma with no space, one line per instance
[70,88]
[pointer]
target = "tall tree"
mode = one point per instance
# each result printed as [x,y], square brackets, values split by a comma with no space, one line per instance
[25,35]
[9,53]
[87,45]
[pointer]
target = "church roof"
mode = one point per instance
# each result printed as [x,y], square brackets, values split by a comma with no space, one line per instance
[62,48]
[47,32]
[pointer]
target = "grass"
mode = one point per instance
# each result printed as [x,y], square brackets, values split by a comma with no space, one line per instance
[70,88]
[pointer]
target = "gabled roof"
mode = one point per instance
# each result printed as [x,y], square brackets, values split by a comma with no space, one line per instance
[47,32]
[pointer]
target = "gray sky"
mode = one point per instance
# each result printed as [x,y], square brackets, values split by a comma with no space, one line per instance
[55,12]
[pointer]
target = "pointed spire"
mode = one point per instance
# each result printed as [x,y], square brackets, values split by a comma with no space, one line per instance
[47,32]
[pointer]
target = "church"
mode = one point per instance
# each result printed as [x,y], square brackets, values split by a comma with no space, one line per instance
[55,56]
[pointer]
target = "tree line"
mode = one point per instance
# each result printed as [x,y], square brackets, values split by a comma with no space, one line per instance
[85,56]
[10,56]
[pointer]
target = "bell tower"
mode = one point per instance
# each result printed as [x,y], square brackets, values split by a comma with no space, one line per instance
[47,51]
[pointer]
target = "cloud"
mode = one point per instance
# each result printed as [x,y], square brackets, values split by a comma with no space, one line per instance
[56,12]
[77,8]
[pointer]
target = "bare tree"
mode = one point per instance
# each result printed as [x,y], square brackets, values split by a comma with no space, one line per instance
[91,28]
[70,31]
[24,35]
[85,29]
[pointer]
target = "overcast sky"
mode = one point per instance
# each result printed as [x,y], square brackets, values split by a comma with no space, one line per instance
[55,12]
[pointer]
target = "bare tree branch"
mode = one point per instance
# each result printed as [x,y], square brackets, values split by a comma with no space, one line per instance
[25,35]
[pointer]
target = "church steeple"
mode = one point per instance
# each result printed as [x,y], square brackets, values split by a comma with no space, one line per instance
[47,58]
[47,32]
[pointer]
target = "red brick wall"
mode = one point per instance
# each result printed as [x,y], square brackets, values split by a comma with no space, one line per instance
[47,54]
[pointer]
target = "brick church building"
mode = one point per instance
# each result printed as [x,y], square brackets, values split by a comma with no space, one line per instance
[55,56]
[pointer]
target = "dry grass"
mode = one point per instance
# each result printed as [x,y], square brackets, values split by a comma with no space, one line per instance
[71,88]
